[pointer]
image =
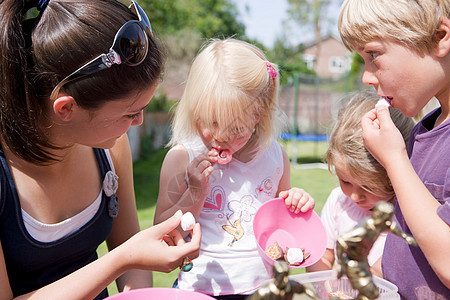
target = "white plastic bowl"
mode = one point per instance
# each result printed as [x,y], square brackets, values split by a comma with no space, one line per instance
[325,282]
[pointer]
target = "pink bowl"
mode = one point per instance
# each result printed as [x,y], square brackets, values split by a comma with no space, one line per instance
[159,293]
[274,222]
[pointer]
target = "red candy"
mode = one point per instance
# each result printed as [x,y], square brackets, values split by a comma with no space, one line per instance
[224,157]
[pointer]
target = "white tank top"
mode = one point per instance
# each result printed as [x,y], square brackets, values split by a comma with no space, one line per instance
[229,262]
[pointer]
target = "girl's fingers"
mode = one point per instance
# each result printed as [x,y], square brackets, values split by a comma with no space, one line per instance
[208,171]
[177,238]
[295,201]
[194,245]
[283,194]
[211,158]
[213,153]
[190,249]
[300,202]
[167,226]
[288,202]
[309,204]
[168,240]
[201,163]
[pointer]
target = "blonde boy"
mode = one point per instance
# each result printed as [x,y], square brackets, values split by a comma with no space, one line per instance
[405,45]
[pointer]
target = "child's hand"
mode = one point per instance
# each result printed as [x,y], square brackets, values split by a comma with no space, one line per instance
[198,172]
[383,140]
[297,200]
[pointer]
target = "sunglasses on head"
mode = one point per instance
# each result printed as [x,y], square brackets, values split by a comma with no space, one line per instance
[130,47]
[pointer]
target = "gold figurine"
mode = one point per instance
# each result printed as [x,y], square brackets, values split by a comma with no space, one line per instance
[353,247]
[281,287]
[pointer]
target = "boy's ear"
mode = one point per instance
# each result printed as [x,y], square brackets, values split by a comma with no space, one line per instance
[64,107]
[443,35]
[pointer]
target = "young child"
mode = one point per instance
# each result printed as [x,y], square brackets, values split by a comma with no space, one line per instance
[405,46]
[229,107]
[69,91]
[363,180]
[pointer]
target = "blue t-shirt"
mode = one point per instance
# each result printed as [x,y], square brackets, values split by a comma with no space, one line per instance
[404,265]
[32,264]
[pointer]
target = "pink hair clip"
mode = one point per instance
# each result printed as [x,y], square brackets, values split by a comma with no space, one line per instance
[271,70]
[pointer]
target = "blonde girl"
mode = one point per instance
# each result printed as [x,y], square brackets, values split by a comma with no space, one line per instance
[229,106]
[362,179]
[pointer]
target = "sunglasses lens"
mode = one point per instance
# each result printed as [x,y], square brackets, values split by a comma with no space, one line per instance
[131,44]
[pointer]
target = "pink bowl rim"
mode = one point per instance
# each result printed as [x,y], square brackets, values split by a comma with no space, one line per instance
[155,289]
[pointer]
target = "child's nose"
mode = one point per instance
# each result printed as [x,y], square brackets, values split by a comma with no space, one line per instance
[355,197]
[356,194]
[369,78]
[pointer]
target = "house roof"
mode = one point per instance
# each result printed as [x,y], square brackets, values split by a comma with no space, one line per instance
[313,42]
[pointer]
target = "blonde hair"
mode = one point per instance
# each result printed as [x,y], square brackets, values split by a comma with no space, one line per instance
[229,85]
[346,143]
[412,23]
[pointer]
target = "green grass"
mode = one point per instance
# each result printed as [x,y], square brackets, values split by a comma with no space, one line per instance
[316,181]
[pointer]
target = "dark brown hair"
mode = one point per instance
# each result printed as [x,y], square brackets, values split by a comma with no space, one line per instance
[35,54]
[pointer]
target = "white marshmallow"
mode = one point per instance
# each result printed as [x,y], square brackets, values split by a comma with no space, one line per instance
[187,221]
[294,255]
[382,102]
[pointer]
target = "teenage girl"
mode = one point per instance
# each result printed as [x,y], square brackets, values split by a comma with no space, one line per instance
[73,81]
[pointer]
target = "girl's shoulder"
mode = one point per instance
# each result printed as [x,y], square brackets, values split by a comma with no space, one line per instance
[177,157]
[337,199]
[177,152]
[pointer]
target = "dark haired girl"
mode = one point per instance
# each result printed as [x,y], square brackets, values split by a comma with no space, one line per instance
[73,81]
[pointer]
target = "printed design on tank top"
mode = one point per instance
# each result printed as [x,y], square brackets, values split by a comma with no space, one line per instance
[235,229]
[242,213]
[266,187]
[216,199]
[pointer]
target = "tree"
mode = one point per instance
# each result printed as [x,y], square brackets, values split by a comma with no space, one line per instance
[289,60]
[209,18]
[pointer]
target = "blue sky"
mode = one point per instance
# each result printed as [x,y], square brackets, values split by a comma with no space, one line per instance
[264,20]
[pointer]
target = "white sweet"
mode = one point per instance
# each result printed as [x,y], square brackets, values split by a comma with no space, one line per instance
[294,255]
[187,221]
[382,102]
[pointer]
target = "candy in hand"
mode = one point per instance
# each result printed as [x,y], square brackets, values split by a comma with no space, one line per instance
[224,157]
[187,221]
[383,102]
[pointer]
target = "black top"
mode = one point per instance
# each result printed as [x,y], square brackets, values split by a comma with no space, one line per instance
[32,264]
